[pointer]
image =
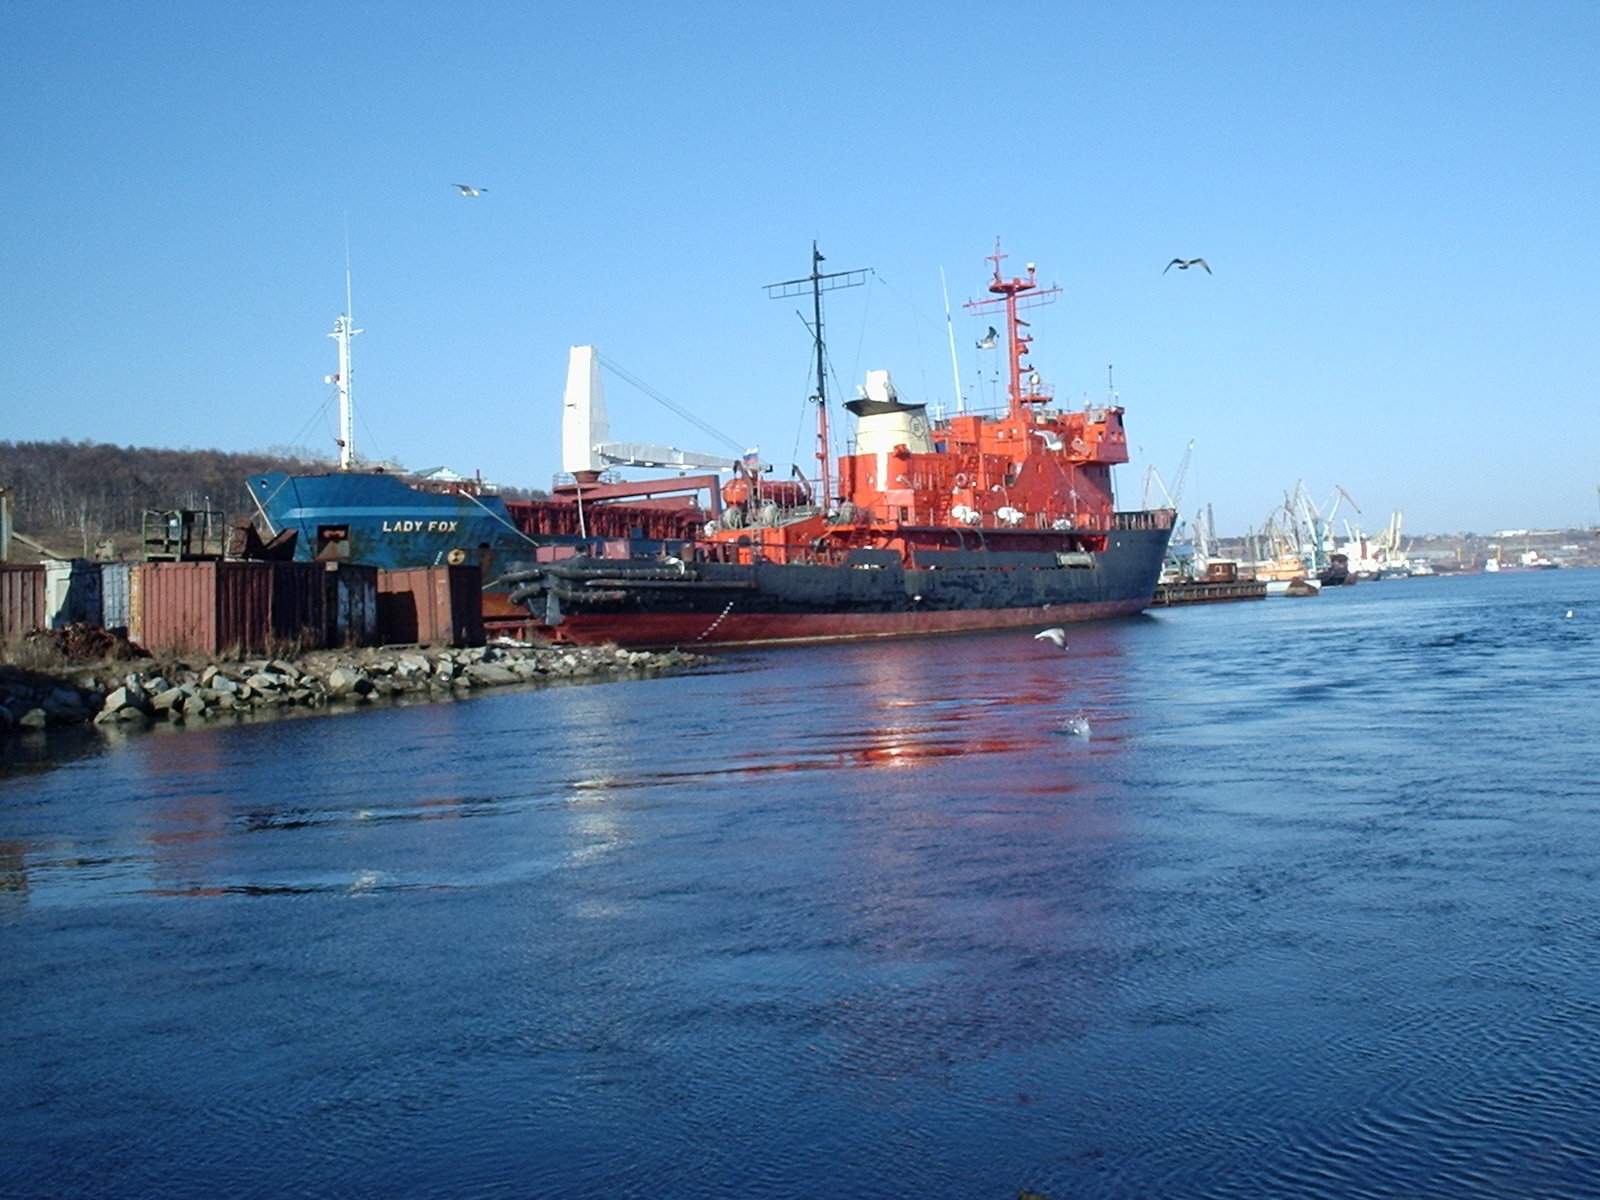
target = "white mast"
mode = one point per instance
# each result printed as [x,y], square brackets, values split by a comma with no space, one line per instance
[955,365]
[343,330]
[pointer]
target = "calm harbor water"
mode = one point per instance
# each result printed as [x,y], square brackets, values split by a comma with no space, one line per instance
[1310,912]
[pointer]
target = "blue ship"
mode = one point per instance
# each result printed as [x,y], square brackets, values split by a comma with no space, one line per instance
[380,520]
[371,517]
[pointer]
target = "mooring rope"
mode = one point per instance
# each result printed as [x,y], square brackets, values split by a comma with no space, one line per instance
[714,624]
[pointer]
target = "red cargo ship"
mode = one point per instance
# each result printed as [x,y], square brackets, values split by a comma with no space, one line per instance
[971,521]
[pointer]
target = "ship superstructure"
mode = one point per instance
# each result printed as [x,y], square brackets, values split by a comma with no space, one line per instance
[930,524]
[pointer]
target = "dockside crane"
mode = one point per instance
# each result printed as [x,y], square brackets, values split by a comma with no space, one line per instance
[1176,493]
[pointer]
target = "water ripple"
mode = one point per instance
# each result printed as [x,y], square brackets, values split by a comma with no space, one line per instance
[1309,914]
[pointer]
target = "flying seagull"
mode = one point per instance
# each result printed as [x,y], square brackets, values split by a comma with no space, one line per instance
[988,339]
[469,191]
[1183,264]
[1057,635]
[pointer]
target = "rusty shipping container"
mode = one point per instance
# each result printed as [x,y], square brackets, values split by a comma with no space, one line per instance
[135,603]
[115,597]
[300,605]
[22,600]
[221,608]
[431,606]
[351,600]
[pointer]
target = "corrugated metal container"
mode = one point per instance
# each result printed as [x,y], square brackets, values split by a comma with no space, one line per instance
[299,605]
[115,582]
[221,608]
[22,608]
[352,605]
[72,592]
[135,604]
[431,606]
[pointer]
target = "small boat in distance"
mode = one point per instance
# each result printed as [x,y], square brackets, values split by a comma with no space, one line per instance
[1528,560]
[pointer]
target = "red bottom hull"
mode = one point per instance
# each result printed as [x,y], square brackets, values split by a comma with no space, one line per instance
[685,630]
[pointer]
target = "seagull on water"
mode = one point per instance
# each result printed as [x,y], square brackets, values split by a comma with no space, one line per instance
[1183,264]
[468,190]
[1057,635]
[1077,726]
[988,339]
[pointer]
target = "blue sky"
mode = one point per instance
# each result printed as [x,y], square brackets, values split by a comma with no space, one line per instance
[1399,203]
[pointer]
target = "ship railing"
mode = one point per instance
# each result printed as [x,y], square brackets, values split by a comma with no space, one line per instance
[1077,522]
[566,479]
[1153,518]
[1090,522]
[1072,522]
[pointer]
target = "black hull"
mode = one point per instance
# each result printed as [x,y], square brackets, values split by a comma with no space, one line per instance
[651,602]
[1336,573]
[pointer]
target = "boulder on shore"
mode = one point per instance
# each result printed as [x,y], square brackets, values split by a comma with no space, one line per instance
[145,692]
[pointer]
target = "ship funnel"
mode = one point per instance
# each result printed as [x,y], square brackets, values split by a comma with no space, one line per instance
[884,421]
[583,413]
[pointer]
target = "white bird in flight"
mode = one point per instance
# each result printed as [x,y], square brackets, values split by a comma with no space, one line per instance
[1057,635]
[468,190]
[988,339]
[1183,264]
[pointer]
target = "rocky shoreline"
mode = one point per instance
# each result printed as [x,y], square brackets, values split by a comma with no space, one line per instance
[147,692]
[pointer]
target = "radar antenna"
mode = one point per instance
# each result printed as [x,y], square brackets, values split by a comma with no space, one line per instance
[1014,295]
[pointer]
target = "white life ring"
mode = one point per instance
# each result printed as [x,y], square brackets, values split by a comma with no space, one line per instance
[456,557]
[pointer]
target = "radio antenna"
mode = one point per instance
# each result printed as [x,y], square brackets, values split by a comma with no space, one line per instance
[817,283]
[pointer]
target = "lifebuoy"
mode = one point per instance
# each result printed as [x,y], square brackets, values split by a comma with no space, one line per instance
[456,557]
[963,480]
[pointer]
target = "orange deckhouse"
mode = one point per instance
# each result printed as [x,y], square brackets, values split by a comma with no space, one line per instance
[971,521]
[1036,477]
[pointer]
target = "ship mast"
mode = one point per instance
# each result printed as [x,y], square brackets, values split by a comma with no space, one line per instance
[817,283]
[1017,294]
[343,330]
